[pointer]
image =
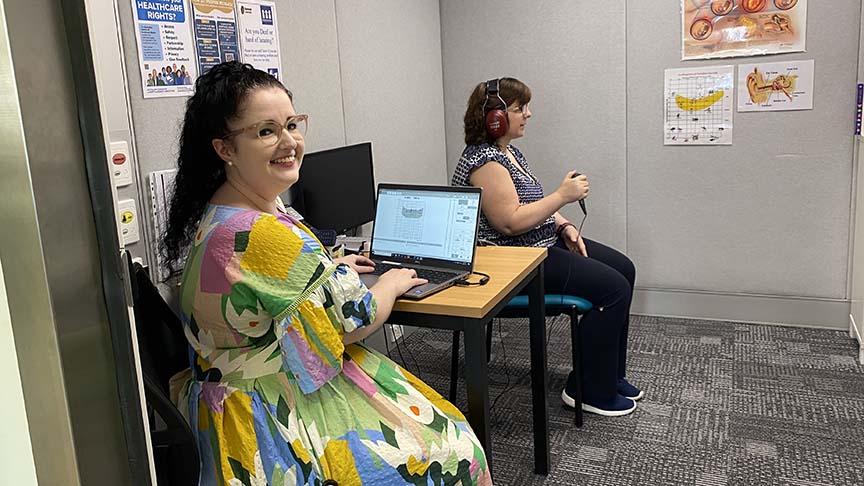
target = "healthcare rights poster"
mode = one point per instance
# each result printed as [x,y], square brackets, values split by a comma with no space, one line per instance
[259,35]
[166,55]
[215,32]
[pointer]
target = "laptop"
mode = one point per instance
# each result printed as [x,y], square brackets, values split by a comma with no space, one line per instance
[432,229]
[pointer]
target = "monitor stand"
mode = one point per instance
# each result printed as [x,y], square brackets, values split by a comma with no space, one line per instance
[353,244]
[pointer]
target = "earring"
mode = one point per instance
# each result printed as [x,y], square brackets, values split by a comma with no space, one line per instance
[230,164]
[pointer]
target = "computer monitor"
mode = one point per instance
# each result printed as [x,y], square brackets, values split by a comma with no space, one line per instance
[336,190]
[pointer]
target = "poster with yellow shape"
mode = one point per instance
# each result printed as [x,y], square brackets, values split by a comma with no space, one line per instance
[698,105]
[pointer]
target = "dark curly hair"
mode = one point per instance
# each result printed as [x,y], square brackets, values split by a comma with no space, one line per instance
[511,90]
[219,96]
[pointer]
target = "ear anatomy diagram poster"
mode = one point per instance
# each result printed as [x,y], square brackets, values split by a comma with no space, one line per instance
[732,28]
[698,108]
[775,86]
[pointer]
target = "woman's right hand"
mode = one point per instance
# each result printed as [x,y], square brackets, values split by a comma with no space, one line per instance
[574,188]
[397,281]
[386,290]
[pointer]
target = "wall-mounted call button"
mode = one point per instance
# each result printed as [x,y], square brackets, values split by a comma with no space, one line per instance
[121,168]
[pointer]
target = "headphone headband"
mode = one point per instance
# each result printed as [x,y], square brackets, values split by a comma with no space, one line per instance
[496,122]
[493,88]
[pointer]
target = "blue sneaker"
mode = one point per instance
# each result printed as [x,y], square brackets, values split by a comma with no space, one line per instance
[614,407]
[629,391]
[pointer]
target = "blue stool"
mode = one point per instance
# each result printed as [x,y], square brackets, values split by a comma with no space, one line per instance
[518,307]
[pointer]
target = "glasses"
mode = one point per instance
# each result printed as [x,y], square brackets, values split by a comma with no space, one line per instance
[270,132]
[520,109]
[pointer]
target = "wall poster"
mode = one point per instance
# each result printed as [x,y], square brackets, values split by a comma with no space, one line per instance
[732,28]
[259,35]
[775,86]
[166,54]
[215,32]
[698,105]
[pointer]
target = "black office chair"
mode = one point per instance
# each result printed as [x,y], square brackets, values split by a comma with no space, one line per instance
[164,352]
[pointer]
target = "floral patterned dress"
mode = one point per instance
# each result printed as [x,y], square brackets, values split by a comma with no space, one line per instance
[275,397]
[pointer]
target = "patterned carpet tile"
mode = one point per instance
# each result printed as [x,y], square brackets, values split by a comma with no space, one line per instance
[727,404]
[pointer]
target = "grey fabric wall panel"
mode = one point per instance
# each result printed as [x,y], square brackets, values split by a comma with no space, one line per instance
[310,60]
[156,121]
[766,215]
[310,63]
[390,59]
[572,56]
[392,86]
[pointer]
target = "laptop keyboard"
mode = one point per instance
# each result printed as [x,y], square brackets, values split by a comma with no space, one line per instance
[433,276]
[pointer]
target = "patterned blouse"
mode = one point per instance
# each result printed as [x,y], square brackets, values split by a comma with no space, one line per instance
[527,187]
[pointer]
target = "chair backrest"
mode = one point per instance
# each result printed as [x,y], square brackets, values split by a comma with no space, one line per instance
[162,344]
[164,352]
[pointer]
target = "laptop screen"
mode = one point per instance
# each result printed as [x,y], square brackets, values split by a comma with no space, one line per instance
[427,225]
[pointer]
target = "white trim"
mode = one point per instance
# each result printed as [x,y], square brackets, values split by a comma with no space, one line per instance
[136,361]
[856,335]
[16,449]
[113,89]
[762,309]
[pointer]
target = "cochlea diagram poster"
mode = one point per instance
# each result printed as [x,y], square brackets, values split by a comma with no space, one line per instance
[732,28]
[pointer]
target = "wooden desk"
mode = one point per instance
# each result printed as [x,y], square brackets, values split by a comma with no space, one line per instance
[469,309]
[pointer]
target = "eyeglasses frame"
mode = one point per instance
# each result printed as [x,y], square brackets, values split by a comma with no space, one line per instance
[302,116]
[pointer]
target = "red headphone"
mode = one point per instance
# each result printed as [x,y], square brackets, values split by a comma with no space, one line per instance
[497,122]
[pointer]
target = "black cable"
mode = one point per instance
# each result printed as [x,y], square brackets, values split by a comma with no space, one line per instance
[507,386]
[386,344]
[416,363]
[570,267]
[484,279]
[500,338]
[399,350]
[584,217]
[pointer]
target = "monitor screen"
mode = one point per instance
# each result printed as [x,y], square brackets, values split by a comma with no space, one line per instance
[422,223]
[336,190]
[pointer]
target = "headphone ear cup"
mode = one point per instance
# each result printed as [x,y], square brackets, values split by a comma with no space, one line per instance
[496,123]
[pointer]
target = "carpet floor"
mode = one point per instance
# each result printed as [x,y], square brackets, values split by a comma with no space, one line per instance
[726,404]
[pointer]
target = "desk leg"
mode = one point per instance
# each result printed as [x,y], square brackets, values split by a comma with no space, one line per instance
[537,317]
[454,367]
[477,382]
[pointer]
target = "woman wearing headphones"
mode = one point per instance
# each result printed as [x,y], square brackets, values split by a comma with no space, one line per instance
[516,213]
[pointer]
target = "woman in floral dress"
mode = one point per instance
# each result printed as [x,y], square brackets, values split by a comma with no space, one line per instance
[282,390]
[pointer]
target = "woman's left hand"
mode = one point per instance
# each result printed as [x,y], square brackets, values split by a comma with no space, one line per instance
[359,263]
[574,242]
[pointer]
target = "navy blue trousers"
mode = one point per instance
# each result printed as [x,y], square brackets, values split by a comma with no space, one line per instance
[606,280]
